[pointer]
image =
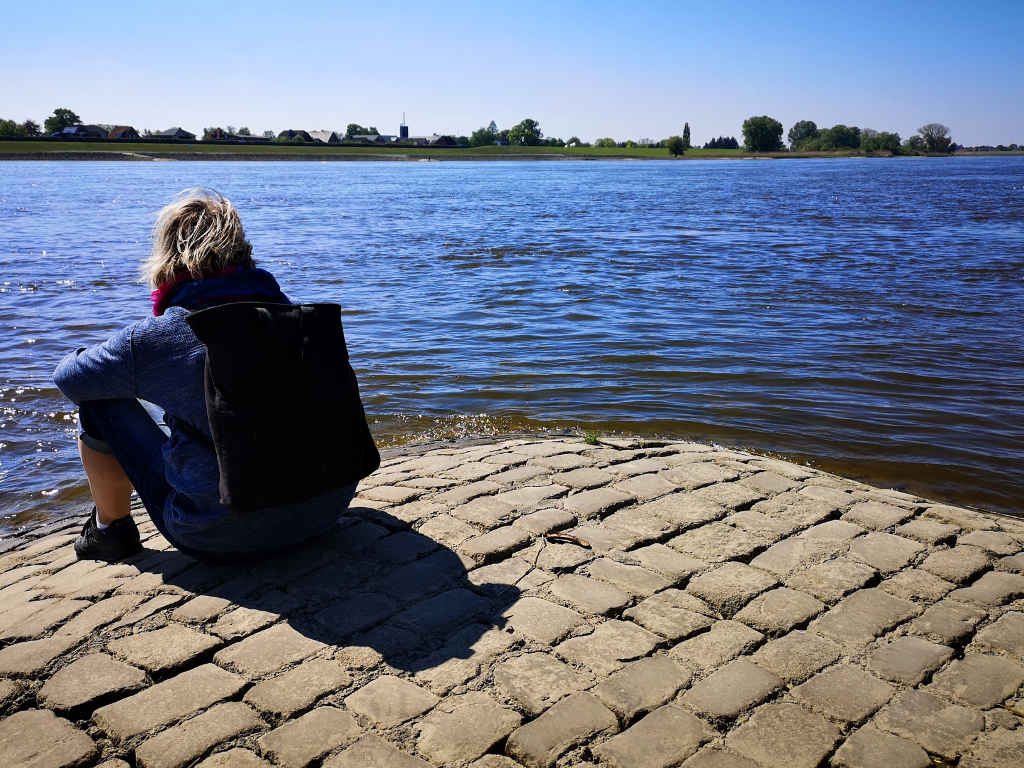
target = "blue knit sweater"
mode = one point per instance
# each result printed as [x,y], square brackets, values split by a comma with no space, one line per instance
[161,361]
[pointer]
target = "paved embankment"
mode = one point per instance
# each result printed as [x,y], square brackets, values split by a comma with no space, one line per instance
[539,602]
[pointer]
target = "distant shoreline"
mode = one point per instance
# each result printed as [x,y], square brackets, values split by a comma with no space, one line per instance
[147,152]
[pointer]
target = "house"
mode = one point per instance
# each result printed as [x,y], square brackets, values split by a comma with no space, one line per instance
[367,138]
[325,137]
[293,135]
[175,133]
[123,132]
[81,132]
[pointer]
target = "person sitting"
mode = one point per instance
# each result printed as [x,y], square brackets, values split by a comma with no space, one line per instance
[265,438]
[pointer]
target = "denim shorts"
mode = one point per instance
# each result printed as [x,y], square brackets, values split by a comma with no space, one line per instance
[129,430]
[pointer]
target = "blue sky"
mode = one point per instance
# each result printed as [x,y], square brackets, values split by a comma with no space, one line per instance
[626,70]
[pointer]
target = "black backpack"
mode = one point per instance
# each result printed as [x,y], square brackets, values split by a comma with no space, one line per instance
[283,402]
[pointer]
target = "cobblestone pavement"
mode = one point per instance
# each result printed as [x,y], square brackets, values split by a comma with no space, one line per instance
[539,602]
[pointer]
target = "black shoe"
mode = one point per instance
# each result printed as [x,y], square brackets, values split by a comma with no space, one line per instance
[116,541]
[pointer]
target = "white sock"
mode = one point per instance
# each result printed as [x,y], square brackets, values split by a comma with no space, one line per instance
[100,526]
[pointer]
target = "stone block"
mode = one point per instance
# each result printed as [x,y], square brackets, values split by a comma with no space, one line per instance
[38,621]
[684,510]
[863,616]
[355,613]
[779,610]
[564,461]
[555,557]
[462,657]
[469,471]
[660,740]
[645,487]
[667,561]
[447,530]
[673,614]
[876,516]
[87,680]
[179,746]
[537,680]
[730,586]
[165,702]
[992,589]
[242,622]
[609,646]
[297,688]
[545,521]
[734,688]
[730,495]
[465,727]
[163,649]
[784,734]
[460,494]
[402,547]
[831,580]
[885,552]
[915,584]
[641,686]
[602,539]
[796,509]
[486,511]
[597,502]
[641,466]
[1006,634]
[844,692]
[927,531]
[39,739]
[717,542]
[947,622]
[643,524]
[724,641]
[583,478]
[390,494]
[444,612]
[768,483]
[768,528]
[268,651]
[232,758]
[869,747]
[979,680]
[388,701]
[795,554]
[541,620]
[797,656]
[495,544]
[589,595]
[201,608]
[299,742]
[964,518]
[495,761]
[539,743]
[1001,748]
[712,757]
[372,751]
[836,497]
[959,564]
[1014,564]
[630,578]
[698,474]
[939,727]
[908,659]
[33,656]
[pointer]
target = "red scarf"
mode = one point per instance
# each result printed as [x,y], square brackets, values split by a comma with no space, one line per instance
[161,297]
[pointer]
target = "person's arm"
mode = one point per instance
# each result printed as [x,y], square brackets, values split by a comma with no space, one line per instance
[101,372]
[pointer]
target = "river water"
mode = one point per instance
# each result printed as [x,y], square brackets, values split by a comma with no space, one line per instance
[862,315]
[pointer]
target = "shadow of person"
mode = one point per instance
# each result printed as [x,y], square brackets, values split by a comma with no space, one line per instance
[370,583]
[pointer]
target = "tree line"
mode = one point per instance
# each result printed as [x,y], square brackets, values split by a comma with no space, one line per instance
[764,134]
[760,134]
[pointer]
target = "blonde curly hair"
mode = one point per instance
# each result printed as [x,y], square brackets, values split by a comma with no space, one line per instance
[199,232]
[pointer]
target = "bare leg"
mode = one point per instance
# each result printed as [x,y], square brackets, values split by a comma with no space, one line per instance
[111,489]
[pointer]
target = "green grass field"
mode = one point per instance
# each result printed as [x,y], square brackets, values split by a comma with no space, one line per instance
[70,149]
